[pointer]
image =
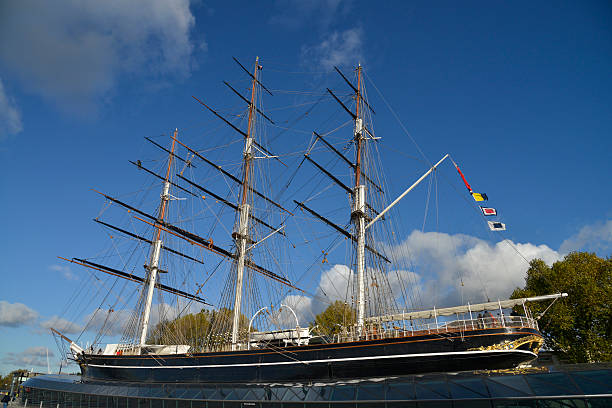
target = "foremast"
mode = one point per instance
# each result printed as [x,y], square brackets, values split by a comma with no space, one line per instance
[358,213]
[242,235]
[156,245]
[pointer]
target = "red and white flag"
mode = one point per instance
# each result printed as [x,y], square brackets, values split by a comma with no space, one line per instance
[488,210]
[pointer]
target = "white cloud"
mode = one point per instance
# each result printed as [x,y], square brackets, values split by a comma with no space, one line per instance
[438,262]
[339,48]
[65,271]
[10,117]
[33,356]
[76,51]
[16,314]
[443,261]
[335,282]
[62,325]
[303,308]
[596,237]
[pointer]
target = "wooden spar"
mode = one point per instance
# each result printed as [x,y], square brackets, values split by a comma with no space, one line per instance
[354,89]
[242,229]
[469,308]
[187,162]
[129,207]
[133,278]
[205,160]
[60,334]
[219,198]
[220,117]
[240,131]
[341,104]
[328,174]
[193,239]
[140,166]
[360,138]
[247,101]
[340,230]
[156,245]
[333,149]
[224,201]
[358,211]
[232,177]
[131,234]
[416,183]
[350,163]
[75,348]
[208,245]
[252,76]
[166,226]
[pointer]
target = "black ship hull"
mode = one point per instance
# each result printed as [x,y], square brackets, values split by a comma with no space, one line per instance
[426,353]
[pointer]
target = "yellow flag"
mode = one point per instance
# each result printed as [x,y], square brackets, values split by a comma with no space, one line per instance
[480,197]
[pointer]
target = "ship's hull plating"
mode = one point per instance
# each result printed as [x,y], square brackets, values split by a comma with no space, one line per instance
[440,352]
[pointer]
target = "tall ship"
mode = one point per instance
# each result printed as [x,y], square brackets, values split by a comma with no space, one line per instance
[206,281]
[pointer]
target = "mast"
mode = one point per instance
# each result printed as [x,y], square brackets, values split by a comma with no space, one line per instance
[358,211]
[156,246]
[241,235]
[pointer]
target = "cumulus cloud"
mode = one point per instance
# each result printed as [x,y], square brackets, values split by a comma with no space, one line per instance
[335,282]
[438,264]
[65,271]
[16,314]
[76,51]
[294,14]
[33,356]
[62,325]
[10,117]
[442,261]
[595,237]
[339,48]
[303,308]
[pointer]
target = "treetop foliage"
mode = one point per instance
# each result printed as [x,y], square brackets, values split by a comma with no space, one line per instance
[336,314]
[579,327]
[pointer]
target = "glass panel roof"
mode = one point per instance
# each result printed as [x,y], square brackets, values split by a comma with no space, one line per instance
[500,390]
[371,392]
[594,382]
[343,393]
[476,385]
[552,384]
[460,391]
[440,387]
[400,391]
[516,382]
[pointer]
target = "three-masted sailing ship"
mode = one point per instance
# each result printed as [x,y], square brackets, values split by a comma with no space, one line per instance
[380,338]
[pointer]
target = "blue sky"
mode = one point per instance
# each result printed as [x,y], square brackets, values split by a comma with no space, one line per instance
[519,93]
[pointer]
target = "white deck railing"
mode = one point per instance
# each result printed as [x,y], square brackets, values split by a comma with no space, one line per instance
[408,330]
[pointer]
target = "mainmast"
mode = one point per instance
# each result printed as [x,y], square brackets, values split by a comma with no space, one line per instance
[156,246]
[242,235]
[358,211]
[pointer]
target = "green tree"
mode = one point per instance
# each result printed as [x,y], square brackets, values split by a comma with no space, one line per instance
[7,380]
[336,315]
[196,329]
[579,326]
